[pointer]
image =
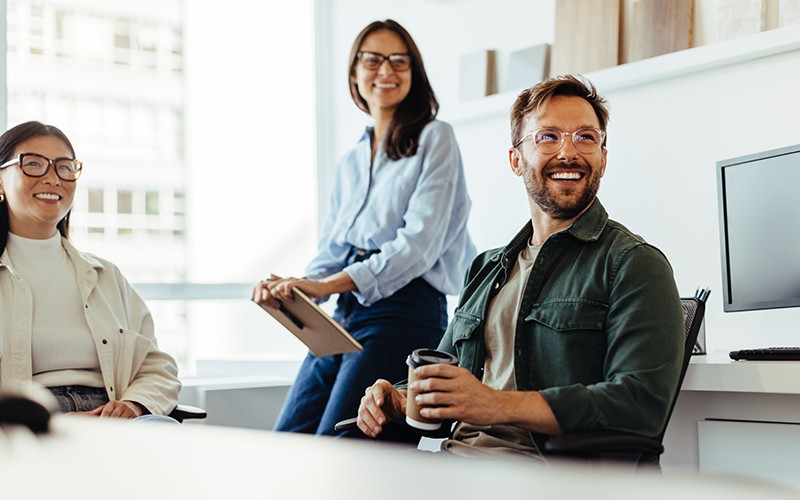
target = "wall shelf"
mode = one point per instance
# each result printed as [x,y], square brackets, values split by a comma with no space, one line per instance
[696,59]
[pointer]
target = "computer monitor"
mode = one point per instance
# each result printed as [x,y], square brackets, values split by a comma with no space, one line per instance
[759,214]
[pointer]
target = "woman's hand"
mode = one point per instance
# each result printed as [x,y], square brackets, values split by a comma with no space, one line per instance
[115,409]
[274,289]
[262,294]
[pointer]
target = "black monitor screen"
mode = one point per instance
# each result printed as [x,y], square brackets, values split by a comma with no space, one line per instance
[759,209]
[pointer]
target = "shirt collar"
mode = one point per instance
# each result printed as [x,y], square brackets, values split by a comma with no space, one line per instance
[591,223]
[587,227]
[369,132]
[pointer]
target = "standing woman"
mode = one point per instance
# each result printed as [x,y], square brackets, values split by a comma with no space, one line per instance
[69,321]
[395,241]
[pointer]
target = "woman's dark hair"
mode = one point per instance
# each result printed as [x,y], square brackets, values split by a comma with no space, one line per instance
[9,141]
[418,108]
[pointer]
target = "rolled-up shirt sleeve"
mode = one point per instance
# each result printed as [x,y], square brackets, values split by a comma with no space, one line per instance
[414,210]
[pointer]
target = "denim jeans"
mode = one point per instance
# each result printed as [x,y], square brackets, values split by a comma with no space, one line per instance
[329,389]
[80,398]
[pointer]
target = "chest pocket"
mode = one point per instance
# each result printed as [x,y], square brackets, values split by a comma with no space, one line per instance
[570,315]
[464,328]
[562,331]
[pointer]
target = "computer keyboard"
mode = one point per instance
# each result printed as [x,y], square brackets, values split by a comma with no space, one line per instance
[768,354]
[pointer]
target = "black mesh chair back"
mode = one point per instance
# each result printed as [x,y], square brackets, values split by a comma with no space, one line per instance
[625,446]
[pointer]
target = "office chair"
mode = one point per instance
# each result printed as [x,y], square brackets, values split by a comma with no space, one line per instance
[626,446]
[187,412]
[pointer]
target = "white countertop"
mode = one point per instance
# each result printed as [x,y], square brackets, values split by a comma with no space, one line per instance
[717,372]
[131,461]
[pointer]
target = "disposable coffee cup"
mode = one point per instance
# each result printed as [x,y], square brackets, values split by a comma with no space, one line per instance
[421,357]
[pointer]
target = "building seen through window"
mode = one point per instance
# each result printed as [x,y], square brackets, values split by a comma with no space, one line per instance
[112,74]
[123,129]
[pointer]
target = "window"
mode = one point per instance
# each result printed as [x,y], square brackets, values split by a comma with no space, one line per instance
[154,125]
[151,206]
[96,203]
[124,202]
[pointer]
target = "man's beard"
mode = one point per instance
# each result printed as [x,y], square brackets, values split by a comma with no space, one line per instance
[561,210]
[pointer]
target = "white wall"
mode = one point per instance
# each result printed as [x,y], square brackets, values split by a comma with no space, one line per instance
[250,138]
[250,141]
[664,137]
[443,30]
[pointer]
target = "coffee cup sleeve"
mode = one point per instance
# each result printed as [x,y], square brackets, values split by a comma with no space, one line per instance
[442,432]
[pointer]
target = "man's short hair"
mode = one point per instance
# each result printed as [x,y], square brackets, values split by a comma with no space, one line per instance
[535,98]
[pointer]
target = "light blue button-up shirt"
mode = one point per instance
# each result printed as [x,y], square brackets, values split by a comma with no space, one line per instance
[413,209]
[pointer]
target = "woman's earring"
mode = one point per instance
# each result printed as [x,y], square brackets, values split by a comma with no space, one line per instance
[2,197]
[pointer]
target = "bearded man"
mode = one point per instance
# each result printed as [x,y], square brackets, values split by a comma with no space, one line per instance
[575,325]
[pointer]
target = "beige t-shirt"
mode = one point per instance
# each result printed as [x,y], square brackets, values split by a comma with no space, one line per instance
[501,323]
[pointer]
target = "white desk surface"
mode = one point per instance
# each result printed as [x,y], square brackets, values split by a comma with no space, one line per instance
[88,458]
[718,373]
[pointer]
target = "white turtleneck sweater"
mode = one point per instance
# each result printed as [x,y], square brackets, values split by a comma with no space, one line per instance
[62,345]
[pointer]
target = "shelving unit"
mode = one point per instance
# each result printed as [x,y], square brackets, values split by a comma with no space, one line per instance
[703,58]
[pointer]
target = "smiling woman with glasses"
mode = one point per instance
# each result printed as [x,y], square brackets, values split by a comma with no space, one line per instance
[36,165]
[395,241]
[69,321]
[372,60]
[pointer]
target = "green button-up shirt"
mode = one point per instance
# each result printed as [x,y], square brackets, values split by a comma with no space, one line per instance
[600,328]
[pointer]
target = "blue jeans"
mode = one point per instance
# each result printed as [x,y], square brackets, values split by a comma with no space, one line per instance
[80,398]
[329,389]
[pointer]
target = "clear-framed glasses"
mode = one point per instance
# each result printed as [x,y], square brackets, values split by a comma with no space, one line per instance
[551,140]
[373,60]
[36,165]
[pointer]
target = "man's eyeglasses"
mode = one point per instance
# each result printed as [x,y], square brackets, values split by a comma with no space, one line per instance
[373,60]
[551,140]
[36,165]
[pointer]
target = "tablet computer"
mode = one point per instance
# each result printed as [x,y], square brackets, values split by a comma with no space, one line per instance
[319,332]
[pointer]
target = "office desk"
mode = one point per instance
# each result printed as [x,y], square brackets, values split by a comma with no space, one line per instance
[737,417]
[88,458]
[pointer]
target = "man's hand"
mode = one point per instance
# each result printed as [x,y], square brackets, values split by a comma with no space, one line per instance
[381,404]
[446,392]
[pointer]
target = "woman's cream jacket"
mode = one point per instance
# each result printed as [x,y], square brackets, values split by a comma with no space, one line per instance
[133,367]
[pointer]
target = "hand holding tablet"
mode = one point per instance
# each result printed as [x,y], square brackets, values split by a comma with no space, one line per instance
[319,332]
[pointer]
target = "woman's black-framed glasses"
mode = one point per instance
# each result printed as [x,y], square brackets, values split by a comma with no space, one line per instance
[36,165]
[373,60]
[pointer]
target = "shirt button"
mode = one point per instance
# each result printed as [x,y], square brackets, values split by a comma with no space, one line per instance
[120,330]
[105,341]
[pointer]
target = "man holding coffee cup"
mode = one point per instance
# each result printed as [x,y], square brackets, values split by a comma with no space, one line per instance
[576,324]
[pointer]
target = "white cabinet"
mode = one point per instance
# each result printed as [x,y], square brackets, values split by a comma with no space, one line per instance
[756,449]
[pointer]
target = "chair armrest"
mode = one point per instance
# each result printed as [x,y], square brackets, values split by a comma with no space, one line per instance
[185,412]
[346,425]
[602,441]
